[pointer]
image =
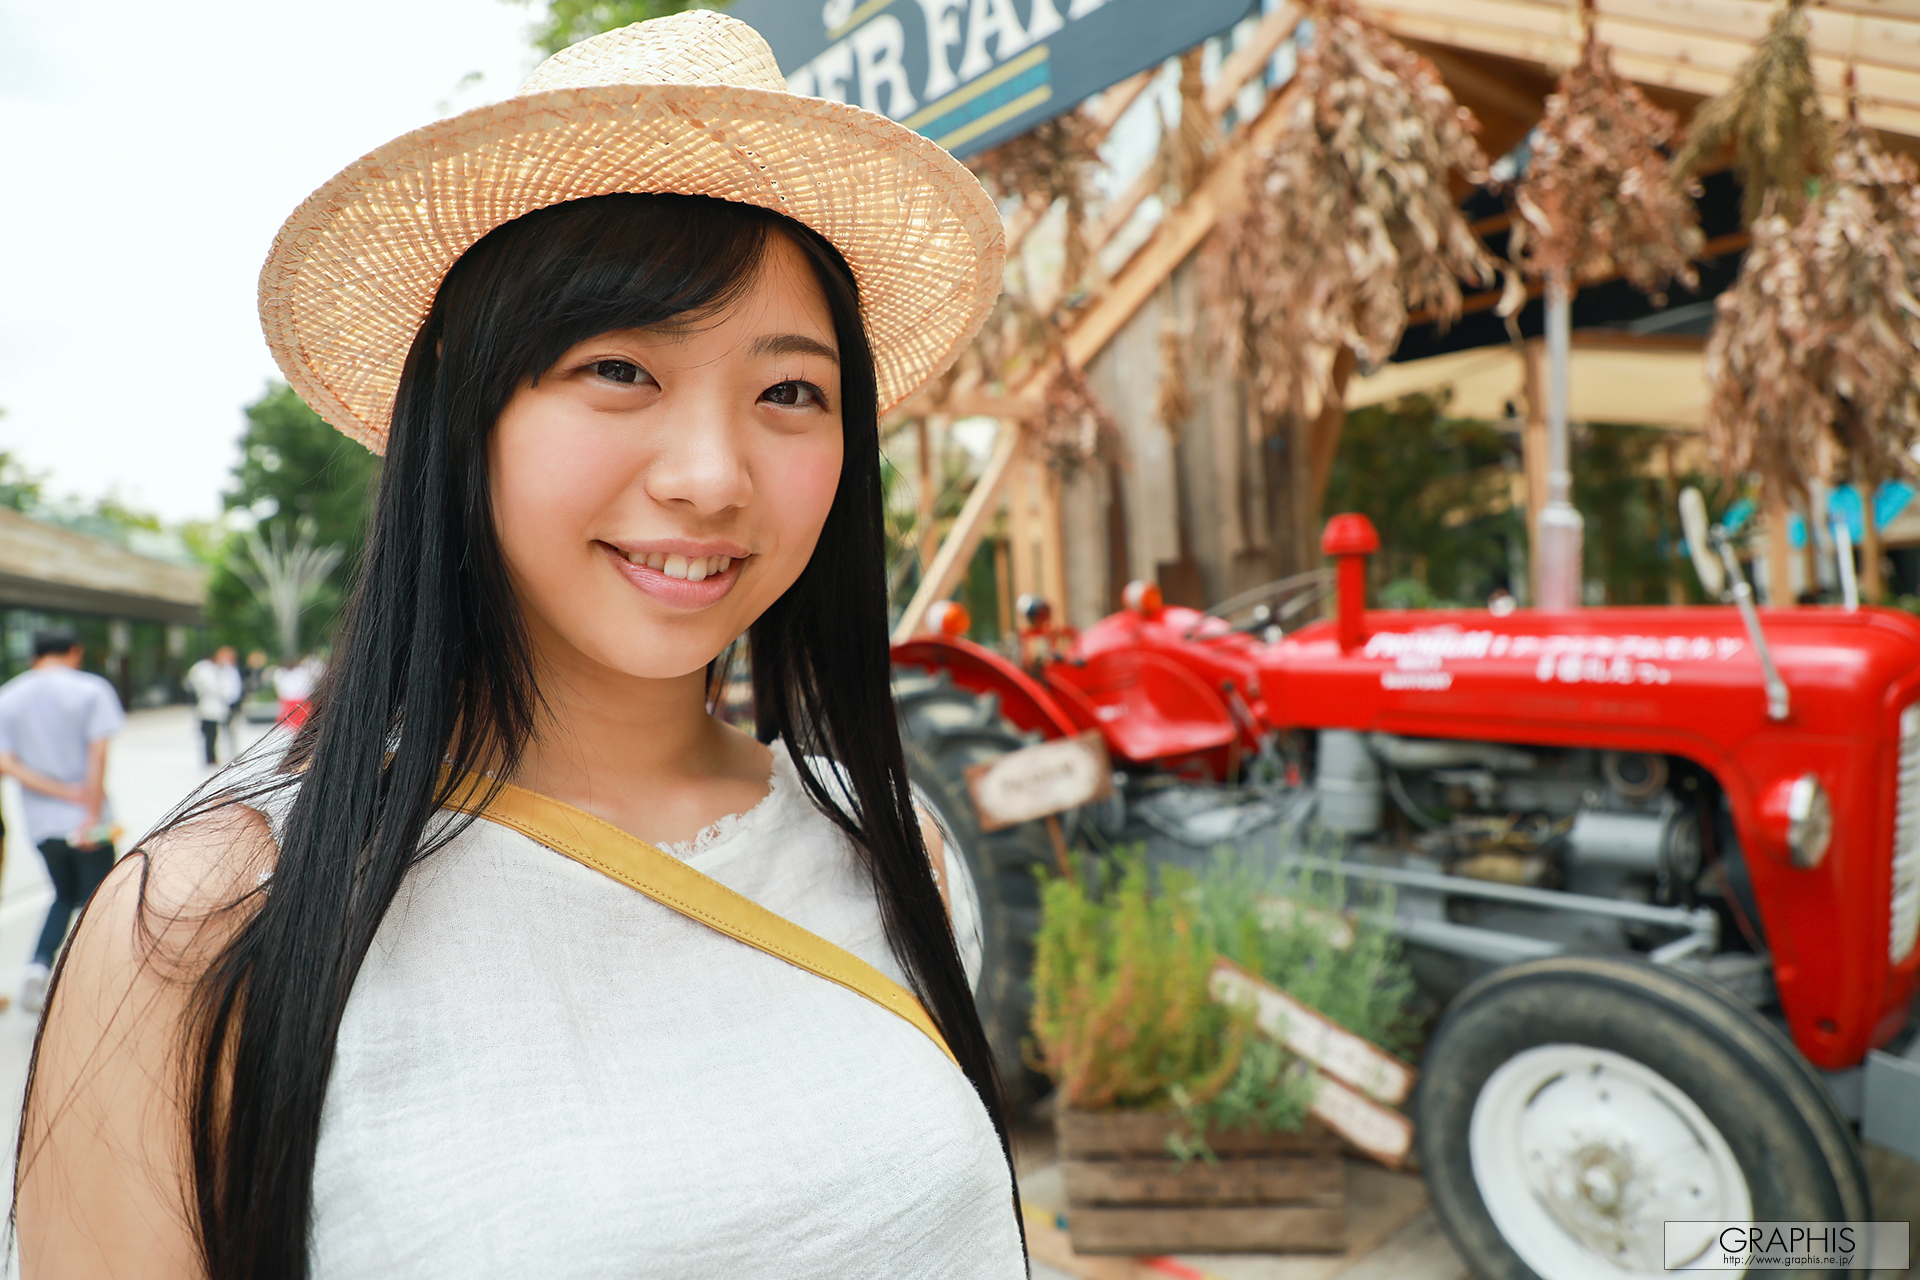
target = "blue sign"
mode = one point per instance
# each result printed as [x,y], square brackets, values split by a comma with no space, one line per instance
[972,73]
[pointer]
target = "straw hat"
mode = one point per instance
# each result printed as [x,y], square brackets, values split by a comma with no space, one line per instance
[691,103]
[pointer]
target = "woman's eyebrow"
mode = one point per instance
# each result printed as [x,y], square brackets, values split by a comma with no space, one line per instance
[791,344]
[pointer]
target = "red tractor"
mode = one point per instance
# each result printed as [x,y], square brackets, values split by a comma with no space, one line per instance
[1663,862]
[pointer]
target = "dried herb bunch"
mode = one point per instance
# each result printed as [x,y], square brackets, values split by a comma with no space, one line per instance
[1861,243]
[1771,113]
[1073,428]
[1761,413]
[1348,220]
[1187,149]
[1599,198]
[1052,162]
[1821,331]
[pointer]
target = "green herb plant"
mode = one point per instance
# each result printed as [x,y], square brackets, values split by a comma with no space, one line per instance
[1122,1014]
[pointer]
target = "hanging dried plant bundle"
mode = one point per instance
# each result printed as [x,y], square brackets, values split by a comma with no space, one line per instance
[1860,241]
[1073,428]
[1763,413]
[1187,149]
[1348,222]
[1771,113]
[1176,393]
[1820,335]
[1053,162]
[1599,198]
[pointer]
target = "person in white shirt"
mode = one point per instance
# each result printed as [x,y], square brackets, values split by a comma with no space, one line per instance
[55,722]
[215,685]
[293,686]
[430,994]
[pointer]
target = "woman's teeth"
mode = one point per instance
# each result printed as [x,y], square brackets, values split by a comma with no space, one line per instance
[692,570]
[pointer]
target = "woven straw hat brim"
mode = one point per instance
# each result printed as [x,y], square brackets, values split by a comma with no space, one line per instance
[354,271]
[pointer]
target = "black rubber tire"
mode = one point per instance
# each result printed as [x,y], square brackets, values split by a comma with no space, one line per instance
[1795,1149]
[944,729]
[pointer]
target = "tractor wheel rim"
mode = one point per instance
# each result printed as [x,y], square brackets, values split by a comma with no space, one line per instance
[1582,1155]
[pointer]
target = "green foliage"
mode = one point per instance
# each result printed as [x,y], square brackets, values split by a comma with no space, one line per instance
[1437,490]
[291,465]
[570,21]
[20,489]
[1121,1013]
[1295,928]
[1632,542]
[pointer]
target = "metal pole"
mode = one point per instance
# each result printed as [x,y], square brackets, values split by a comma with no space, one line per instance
[1557,540]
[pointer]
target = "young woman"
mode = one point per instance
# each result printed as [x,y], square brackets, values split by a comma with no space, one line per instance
[425,997]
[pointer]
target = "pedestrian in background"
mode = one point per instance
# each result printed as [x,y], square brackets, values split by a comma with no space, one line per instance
[293,685]
[55,722]
[215,685]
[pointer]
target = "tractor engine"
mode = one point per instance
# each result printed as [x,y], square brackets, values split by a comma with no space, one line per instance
[1611,823]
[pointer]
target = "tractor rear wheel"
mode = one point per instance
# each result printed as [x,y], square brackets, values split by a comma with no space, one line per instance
[1570,1107]
[945,729]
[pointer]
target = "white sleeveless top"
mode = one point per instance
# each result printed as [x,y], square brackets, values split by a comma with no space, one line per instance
[543,1073]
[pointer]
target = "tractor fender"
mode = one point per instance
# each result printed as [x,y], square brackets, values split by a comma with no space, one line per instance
[1024,701]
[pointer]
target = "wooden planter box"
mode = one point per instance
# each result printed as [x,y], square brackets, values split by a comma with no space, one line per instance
[1268,1193]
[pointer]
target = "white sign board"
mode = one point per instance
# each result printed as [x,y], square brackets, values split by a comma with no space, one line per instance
[1034,782]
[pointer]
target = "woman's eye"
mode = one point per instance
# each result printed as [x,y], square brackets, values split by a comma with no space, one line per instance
[619,370]
[794,393]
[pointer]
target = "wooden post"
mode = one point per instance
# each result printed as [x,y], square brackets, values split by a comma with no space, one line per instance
[1670,494]
[965,533]
[1873,585]
[1533,456]
[1003,585]
[929,542]
[1053,555]
[1020,530]
[1779,572]
[1323,444]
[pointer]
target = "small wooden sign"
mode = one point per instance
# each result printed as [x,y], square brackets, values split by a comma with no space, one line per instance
[1315,1037]
[1039,781]
[1356,1076]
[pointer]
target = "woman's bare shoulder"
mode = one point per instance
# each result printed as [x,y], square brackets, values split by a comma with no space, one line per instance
[103,1186]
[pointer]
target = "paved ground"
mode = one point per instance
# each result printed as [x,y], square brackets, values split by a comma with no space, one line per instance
[1391,1233]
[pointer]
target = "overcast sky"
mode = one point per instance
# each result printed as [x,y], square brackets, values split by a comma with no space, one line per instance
[148,153]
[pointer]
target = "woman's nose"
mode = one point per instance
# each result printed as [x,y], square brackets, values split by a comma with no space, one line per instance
[701,464]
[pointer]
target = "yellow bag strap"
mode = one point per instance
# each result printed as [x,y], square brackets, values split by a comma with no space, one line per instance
[597,843]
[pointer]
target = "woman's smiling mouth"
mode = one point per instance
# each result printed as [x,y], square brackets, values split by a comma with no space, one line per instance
[675,579]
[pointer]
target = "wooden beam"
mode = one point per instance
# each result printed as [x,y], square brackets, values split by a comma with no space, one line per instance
[1246,62]
[956,551]
[1251,58]
[1114,101]
[1178,234]
[1466,79]
[1701,62]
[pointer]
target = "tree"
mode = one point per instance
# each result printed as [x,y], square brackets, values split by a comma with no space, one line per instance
[20,489]
[570,21]
[292,466]
[286,578]
[1437,488]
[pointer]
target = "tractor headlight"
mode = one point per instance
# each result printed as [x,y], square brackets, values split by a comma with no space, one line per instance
[1809,821]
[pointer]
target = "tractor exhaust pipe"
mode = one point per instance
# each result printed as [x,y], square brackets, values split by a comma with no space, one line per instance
[1350,539]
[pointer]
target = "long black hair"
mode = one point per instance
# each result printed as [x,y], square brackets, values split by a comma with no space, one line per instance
[433,678]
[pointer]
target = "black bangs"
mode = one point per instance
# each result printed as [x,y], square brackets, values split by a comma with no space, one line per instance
[534,287]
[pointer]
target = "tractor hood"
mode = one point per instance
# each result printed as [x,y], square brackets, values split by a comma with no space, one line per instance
[1690,672]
